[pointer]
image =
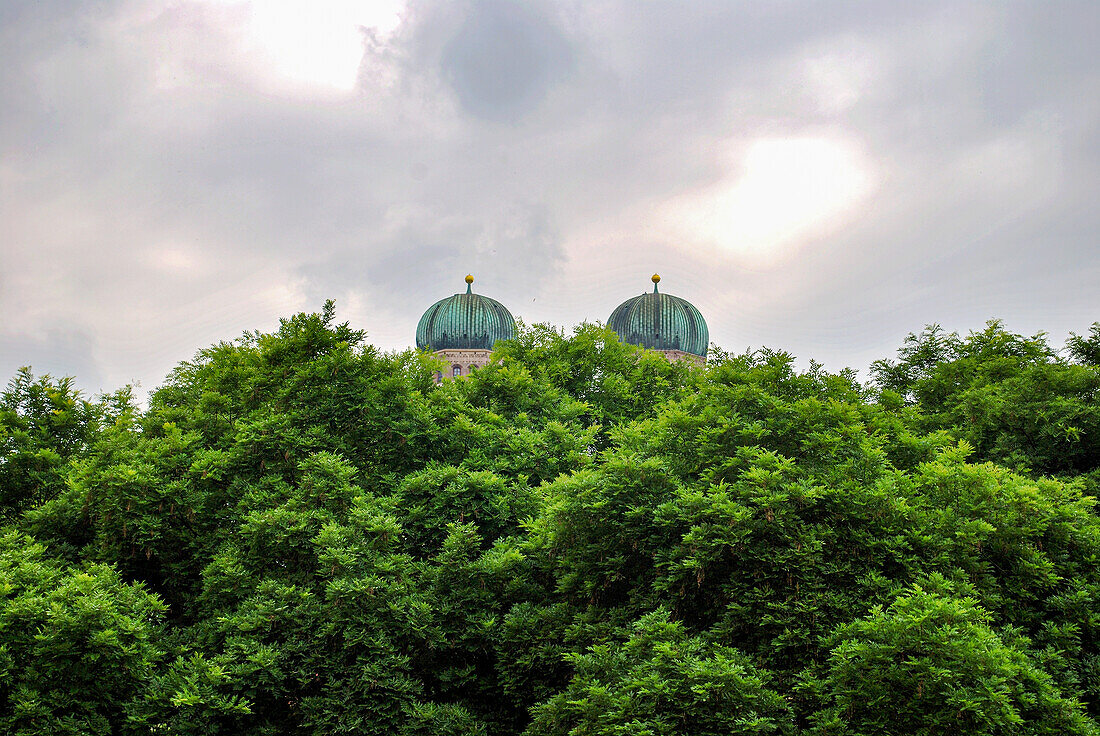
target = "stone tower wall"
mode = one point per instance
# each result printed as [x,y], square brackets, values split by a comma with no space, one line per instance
[681,355]
[465,360]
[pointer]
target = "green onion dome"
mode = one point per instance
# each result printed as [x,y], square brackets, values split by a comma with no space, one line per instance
[464,322]
[661,322]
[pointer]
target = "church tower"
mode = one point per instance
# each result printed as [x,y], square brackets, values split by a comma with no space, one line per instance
[462,329]
[662,322]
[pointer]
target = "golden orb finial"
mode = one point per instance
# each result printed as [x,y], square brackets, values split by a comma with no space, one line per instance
[655,278]
[469,278]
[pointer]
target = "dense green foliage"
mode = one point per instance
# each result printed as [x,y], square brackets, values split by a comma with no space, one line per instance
[44,425]
[302,535]
[1013,398]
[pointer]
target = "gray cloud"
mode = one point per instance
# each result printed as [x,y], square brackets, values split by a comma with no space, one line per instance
[160,188]
[58,353]
[504,58]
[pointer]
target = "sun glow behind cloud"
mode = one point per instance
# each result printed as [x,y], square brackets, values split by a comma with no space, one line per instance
[317,44]
[785,190]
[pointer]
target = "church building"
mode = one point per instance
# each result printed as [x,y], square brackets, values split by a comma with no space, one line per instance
[462,328]
[662,322]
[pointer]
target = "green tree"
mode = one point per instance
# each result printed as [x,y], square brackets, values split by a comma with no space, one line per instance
[189,696]
[1085,348]
[578,537]
[931,664]
[44,425]
[1012,398]
[77,645]
[616,382]
[662,681]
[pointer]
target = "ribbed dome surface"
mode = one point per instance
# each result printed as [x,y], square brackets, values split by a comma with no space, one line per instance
[661,322]
[464,322]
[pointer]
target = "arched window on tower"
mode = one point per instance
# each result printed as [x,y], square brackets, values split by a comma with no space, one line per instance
[456,371]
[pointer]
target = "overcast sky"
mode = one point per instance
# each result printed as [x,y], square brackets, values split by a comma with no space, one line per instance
[820,177]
